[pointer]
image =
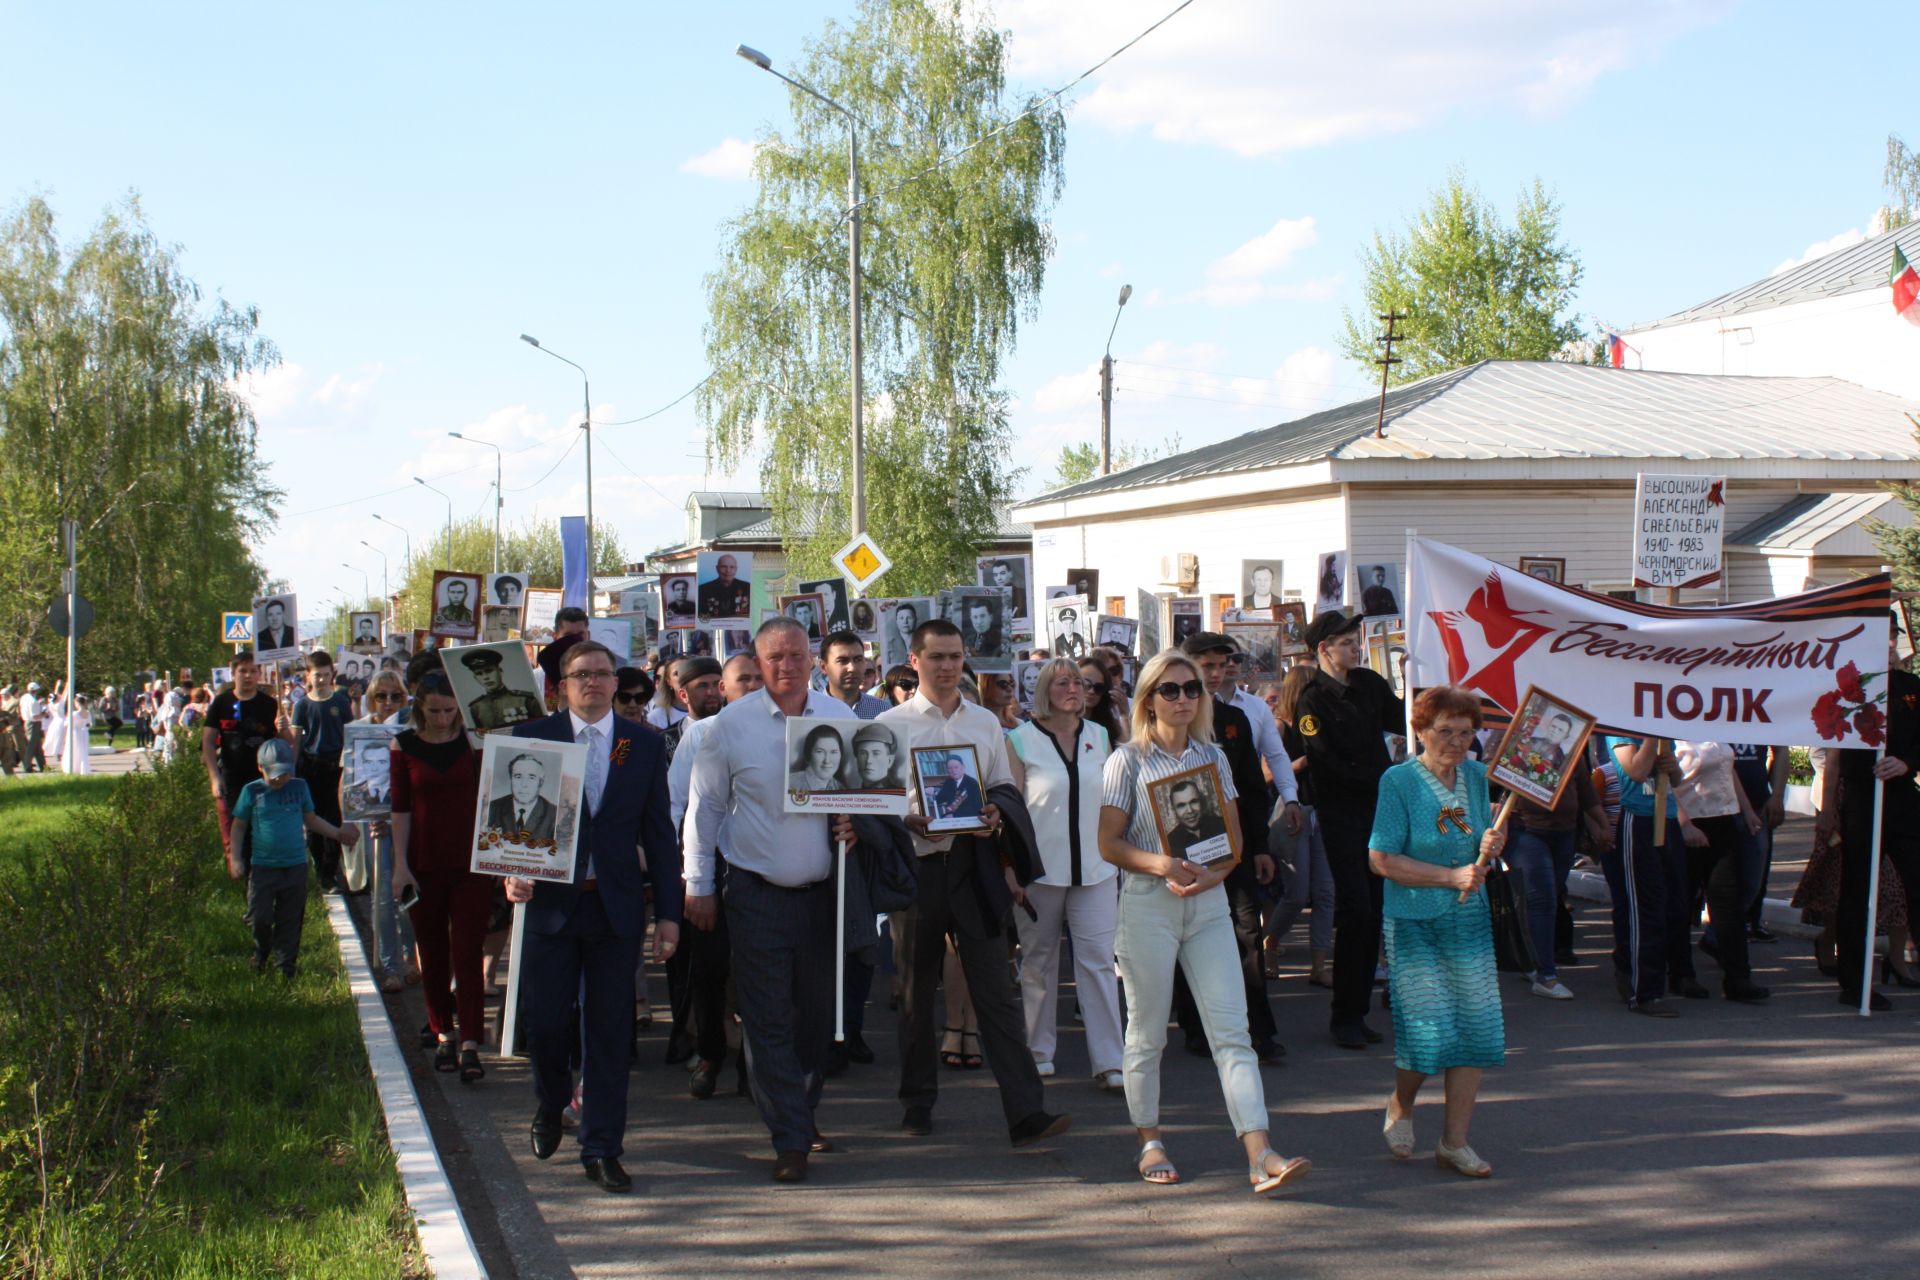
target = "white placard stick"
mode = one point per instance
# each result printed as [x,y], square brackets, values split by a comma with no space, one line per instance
[840,946]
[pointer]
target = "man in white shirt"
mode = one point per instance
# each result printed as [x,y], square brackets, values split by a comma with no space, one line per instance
[779,887]
[33,713]
[961,895]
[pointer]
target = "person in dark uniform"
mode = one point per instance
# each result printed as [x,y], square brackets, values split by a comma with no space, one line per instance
[1846,811]
[726,596]
[678,606]
[1345,713]
[454,608]
[497,706]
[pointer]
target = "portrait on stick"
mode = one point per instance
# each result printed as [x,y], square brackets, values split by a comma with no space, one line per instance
[528,821]
[456,606]
[1541,747]
[845,766]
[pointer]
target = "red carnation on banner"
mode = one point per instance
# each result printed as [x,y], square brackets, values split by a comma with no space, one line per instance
[1850,686]
[1848,705]
[1871,725]
[1829,717]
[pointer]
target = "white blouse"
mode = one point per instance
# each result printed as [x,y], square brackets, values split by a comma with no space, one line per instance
[1707,782]
[1064,801]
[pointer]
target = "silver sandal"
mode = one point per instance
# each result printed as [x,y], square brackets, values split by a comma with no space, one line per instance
[1170,1176]
[1290,1171]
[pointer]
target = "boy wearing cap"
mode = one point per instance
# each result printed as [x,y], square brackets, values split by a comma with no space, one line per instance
[276,810]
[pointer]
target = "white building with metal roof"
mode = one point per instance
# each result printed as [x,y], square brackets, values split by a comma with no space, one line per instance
[1503,458]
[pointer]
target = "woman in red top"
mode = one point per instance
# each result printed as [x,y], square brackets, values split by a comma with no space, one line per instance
[436,787]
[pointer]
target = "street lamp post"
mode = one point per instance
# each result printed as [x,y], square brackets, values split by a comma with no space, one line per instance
[1106,386]
[857,478]
[385,599]
[424,485]
[586,425]
[366,582]
[499,495]
[407,542]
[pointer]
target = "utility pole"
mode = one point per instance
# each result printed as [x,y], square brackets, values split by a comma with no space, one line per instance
[1106,385]
[70,530]
[1386,363]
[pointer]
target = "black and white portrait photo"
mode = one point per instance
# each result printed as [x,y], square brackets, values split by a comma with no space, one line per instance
[1085,582]
[898,619]
[276,628]
[676,601]
[528,822]
[1184,616]
[983,628]
[726,585]
[1026,680]
[498,622]
[809,609]
[1115,632]
[1260,583]
[833,591]
[845,766]
[1379,589]
[494,685]
[951,797]
[363,631]
[456,606]
[366,771]
[1012,572]
[731,641]
[1069,627]
[1189,810]
[642,608]
[507,590]
[397,647]
[865,618]
[1149,606]
[1329,581]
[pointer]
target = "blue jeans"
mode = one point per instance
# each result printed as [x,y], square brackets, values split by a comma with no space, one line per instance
[1312,885]
[392,930]
[1543,859]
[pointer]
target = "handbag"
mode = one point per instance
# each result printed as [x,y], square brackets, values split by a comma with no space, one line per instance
[1507,901]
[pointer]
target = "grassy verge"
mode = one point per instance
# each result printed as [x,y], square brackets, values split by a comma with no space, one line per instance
[200,1120]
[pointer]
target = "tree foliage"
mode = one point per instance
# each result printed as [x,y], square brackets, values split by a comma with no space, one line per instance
[1471,287]
[118,409]
[1081,462]
[954,248]
[1902,182]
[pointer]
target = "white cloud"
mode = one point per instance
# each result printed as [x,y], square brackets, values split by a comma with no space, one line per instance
[1258,78]
[1821,248]
[1240,277]
[731,161]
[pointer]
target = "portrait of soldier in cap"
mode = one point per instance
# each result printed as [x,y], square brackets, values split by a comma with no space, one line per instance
[496,706]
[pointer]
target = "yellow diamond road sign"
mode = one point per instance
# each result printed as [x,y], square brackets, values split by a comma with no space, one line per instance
[862,562]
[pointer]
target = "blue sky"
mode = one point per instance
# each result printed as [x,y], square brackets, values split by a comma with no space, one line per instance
[402,190]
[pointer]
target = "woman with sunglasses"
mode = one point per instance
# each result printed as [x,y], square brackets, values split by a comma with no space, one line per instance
[1099,698]
[436,792]
[1432,832]
[901,684]
[1174,913]
[385,702]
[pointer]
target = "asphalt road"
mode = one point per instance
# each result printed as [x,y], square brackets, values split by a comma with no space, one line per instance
[1776,1141]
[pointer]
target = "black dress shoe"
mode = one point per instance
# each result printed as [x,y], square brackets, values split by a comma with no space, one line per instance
[679,1048]
[918,1121]
[1038,1127]
[1372,1036]
[1877,1002]
[703,1081]
[857,1049]
[790,1166]
[1689,988]
[1269,1051]
[1348,1035]
[821,1144]
[609,1175]
[1760,933]
[1655,1008]
[546,1133]
[1745,991]
[1197,1044]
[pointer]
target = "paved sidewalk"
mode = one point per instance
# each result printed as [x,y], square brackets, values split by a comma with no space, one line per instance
[1778,1141]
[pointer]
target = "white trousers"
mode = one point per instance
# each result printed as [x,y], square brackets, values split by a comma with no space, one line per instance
[1090,911]
[1159,929]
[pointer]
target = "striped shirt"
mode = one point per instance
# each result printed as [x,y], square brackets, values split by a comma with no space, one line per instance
[1130,771]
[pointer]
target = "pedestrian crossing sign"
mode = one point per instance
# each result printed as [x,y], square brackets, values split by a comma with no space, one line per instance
[236,628]
[861,562]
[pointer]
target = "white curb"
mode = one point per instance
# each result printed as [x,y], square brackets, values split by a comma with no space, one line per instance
[1780,915]
[443,1231]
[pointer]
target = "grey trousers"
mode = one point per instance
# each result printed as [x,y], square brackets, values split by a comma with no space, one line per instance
[276,908]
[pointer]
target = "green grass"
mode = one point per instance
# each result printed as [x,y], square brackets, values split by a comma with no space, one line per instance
[263,1115]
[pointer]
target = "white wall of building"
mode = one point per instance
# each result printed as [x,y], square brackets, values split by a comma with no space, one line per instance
[1855,336]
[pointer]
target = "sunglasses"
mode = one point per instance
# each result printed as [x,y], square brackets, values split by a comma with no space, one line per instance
[630,697]
[1173,691]
[906,684]
[1098,689]
[389,697]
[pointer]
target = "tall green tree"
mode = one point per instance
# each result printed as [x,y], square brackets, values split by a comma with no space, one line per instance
[1902,182]
[1081,462]
[118,410]
[1471,287]
[954,249]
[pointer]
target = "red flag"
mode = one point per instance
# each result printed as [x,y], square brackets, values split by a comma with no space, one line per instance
[1906,287]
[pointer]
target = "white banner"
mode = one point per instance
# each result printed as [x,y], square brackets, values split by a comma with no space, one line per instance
[1805,670]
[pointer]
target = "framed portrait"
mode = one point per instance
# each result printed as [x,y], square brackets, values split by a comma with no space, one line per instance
[1546,568]
[536,619]
[1149,607]
[646,628]
[1116,632]
[981,615]
[220,678]
[1069,627]
[1260,582]
[1239,614]
[363,631]
[1291,618]
[499,622]
[527,822]
[366,772]
[1026,679]
[898,619]
[951,794]
[354,671]
[276,628]
[1185,615]
[865,616]
[731,642]
[1085,582]
[631,599]
[1015,573]
[456,606]
[1329,581]
[833,591]
[616,634]
[669,647]
[1260,644]
[494,685]
[398,646]
[698,643]
[845,766]
[1541,747]
[1054,593]
[809,609]
[508,590]
[677,610]
[1379,582]
[1189,811]
[725,590]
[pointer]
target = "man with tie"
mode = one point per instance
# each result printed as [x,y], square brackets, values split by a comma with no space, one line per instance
[524,815]
[583,938]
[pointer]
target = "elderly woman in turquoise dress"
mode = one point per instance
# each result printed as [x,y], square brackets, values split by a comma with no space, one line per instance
[1431,832]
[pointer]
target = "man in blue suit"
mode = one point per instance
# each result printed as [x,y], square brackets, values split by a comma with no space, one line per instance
[583,938]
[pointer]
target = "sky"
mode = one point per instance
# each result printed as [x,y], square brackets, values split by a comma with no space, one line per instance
[402,190]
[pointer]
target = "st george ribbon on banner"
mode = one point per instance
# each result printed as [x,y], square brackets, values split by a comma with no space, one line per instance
[1801,669]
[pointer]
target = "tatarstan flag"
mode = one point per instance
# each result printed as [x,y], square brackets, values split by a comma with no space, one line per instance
[1906,287]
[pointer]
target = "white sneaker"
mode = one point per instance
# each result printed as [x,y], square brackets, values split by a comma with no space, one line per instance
[1552,990]
[1044,1068]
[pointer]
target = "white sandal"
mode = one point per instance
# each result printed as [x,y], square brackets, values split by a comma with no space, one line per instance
[1170,1175]
[1290,1171]
[1399,1133]
[1461,1159]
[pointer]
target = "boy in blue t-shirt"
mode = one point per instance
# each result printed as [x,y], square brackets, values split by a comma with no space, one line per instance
[276,809]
